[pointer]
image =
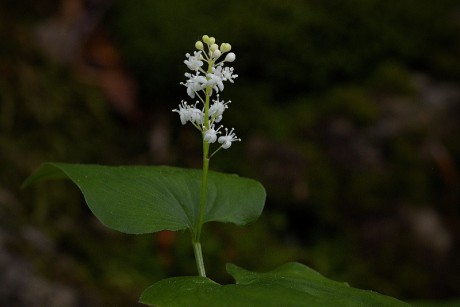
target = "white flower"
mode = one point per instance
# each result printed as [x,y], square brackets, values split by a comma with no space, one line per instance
[227,74]
[194,83]
[210,135]
[189,113]
[218,108]
[184,112]
[227,139]
[215,81]
[194,62]
[196,116]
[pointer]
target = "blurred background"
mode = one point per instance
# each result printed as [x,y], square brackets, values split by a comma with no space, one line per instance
[349,114]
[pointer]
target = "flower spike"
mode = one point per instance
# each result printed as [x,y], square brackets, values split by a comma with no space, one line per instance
[203,83]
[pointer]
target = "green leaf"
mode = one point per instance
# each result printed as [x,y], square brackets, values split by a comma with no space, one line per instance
[144,199]
[292,284]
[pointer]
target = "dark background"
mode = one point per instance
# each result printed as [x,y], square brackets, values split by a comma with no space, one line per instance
[348,111]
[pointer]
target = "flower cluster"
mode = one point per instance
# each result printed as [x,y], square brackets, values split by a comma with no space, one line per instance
[202,83]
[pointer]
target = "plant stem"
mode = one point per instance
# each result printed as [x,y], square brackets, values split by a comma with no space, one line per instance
[204,185]
[199,258]
[197,234]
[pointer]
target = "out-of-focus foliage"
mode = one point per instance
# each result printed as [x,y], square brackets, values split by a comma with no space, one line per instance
[49,114]
[291,47]
[348,112]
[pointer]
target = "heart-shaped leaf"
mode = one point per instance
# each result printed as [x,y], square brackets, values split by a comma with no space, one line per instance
[144,199]
[291,285]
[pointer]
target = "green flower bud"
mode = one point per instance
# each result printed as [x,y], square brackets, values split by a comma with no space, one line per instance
[199,45]
[205,39]
[213,47]
[224,47]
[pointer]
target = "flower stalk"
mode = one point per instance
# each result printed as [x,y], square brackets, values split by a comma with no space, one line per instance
[202,84]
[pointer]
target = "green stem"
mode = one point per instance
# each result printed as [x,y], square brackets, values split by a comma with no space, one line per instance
[204,185]
[197,234]
[199,258]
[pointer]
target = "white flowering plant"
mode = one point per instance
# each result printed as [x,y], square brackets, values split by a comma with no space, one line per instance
[147,199]
[202,84]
